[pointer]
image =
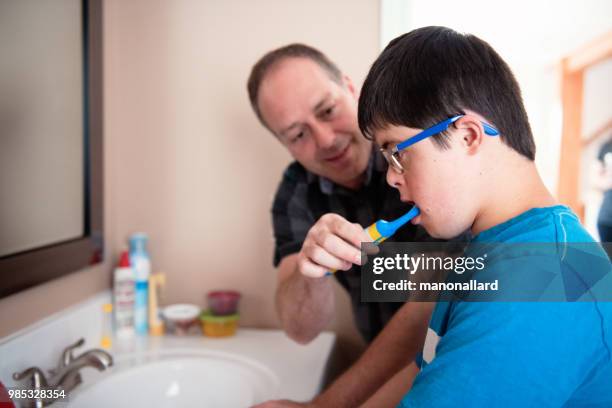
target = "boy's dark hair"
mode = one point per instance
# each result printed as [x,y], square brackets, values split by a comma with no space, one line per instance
[267,62]
[432,73]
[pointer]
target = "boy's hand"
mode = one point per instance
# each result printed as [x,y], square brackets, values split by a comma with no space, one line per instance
[332,243]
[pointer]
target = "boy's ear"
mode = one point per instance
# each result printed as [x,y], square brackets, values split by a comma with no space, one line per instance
[472,133]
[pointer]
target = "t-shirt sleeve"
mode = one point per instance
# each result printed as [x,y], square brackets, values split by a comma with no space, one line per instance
[510,355]
[291,219]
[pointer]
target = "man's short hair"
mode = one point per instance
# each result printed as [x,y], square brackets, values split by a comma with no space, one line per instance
[269,60]
[432,73]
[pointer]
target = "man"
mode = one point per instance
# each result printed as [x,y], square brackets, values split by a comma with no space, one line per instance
[460,146]
[604,182]
[334,189]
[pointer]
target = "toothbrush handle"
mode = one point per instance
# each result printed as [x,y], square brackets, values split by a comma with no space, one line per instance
[381,230]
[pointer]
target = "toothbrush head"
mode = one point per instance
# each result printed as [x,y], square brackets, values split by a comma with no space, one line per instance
[388,228]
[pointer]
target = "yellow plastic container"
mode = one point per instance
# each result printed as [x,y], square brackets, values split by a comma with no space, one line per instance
[218,326]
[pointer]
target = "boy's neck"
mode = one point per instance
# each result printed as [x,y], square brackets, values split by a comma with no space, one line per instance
[521,190]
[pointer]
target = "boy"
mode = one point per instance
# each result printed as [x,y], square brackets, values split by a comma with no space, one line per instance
[471,166]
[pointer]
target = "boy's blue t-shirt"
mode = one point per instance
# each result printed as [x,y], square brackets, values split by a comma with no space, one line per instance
[519,354]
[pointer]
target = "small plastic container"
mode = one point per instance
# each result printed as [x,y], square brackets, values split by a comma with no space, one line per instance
[223,302]
[180,317]
[218,326]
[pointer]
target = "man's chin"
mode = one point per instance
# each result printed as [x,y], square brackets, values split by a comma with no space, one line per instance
[351,183]
[346,173]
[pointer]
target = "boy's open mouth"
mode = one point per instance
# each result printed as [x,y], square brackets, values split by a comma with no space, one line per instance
[416,220]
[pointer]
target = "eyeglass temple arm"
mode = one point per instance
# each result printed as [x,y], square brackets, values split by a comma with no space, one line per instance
[439,128]
[489,130]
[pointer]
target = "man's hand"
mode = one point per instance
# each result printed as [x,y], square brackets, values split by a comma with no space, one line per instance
[284,404]
[332,243]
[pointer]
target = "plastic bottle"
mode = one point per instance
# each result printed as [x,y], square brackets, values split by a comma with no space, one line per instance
[141,263]
[123,297]
[156,324]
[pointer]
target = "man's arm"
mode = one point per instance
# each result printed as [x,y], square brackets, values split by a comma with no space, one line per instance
[304,295]
[392,350]
[305,305]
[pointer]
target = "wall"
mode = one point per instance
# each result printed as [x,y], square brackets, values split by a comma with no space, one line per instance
[186,160]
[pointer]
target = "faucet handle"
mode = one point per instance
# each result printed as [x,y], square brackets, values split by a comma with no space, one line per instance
[35,374]
[67,356]
[37,381]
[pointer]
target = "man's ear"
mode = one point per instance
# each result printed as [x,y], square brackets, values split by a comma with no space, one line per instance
[472,133]
[348,83]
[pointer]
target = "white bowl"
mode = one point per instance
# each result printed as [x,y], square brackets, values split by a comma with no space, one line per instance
[181,316]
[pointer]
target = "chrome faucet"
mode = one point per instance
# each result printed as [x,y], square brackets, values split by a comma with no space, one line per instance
[67,374]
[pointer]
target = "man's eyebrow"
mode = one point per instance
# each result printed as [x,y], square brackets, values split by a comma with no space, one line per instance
[288,128]
[318,106]
[323,101]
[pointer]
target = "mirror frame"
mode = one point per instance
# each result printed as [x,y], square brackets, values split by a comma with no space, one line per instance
[25,269]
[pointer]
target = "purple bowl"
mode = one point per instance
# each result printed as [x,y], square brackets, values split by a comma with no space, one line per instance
[223,302]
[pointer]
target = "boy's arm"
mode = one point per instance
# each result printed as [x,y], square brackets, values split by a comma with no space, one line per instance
[390,394]
[389,354]
[392,350]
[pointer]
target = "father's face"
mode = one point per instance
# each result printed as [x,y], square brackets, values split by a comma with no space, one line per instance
[316,119]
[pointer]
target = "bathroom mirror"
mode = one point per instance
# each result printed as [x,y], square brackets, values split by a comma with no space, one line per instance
[50,140]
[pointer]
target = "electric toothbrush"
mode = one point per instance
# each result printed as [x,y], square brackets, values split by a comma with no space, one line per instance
[382,229]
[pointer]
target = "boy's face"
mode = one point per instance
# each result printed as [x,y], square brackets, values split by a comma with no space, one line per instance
[439,181]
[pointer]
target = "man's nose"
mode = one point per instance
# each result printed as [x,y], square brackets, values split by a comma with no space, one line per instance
[394,179]
[324,136]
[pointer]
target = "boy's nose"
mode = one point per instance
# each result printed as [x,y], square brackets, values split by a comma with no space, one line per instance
[394,179]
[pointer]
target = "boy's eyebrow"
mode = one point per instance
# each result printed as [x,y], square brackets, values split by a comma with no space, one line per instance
[383,145]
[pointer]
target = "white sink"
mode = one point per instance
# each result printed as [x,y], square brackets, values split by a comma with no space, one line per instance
[178,379]
[252,366]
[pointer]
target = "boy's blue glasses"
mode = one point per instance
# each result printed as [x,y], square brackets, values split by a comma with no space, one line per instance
[392,154]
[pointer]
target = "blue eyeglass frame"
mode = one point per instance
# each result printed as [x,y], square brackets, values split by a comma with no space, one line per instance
[439,128]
